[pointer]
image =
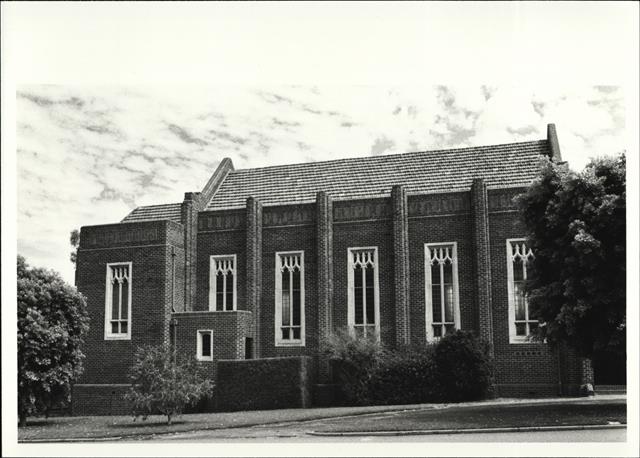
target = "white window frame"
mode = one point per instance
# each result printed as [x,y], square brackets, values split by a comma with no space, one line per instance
[199,334]
[279,341]
[213,306]
[108,335]
[513,337]
[351,317]
[428,287]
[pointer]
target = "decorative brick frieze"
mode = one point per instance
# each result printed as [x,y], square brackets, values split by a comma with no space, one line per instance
[438,204]
[401,263]
[502,199]
[122,237]
[131,234]
[292,215]
[372,209]
[482,258]
[253,293]
[324,239]
[221,220]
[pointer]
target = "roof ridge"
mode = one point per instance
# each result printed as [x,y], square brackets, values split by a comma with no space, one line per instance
[156,205]
[381,156]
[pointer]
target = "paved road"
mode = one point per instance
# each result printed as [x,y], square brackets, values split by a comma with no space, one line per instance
[272,435]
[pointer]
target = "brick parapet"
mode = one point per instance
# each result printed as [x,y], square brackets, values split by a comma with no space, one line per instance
[149,247]
[401,263]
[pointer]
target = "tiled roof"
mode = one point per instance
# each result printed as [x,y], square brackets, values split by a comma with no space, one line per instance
[508,165]
[154,212]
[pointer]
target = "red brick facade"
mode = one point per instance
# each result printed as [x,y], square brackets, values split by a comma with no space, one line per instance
[171,268]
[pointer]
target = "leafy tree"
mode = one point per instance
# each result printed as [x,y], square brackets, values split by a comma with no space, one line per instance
[576,283]
[52,323]
[163,381]
[74,240]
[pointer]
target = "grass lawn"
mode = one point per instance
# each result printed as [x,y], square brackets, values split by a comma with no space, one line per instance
[497,416]
[434,416]
[57,428]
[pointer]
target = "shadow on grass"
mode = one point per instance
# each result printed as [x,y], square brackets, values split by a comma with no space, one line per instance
[146,424]
[42,422]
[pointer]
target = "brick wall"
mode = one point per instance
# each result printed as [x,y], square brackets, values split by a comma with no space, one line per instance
[228,236]
[229,330]
[296,238]
[149,247]
[242,384]
[99,399]
[360,234]
[452,227]
[158,255]
[522,369]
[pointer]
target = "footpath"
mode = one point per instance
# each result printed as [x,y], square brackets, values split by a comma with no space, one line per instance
[496,415]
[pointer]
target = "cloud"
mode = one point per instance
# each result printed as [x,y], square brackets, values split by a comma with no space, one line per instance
[183,135]
[381,145]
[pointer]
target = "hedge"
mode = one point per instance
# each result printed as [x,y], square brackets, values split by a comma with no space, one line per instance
[266,383]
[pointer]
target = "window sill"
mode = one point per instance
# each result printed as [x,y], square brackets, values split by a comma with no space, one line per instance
[298,343]
[524,340]
[204,359]
[117,337]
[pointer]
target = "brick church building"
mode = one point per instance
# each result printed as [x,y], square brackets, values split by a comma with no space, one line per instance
[267,262]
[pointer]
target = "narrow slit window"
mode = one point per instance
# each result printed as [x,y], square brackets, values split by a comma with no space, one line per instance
[363,316]
[118,301]
[521,324]
[289,300]
[442,302]
[222,283]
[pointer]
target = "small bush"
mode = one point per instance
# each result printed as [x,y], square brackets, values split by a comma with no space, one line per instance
[464,368]
[164,382]
[354,359]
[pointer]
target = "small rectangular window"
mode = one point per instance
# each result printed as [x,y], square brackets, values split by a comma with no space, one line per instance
[521,324]
[222,283]
[289,300]
[363,299]
[441,282]
[118,300]
[205,345]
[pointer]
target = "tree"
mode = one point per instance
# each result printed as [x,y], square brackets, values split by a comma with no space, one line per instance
[163,381]
[576,283]
[74,240]
[52,323]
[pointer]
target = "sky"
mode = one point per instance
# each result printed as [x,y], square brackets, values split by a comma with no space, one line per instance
[89,155]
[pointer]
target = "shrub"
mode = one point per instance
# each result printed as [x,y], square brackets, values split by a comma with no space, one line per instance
[164,382]
[52,323]
[404,377]
[457,368]
[354,359]
[464,368]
